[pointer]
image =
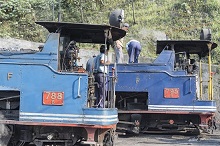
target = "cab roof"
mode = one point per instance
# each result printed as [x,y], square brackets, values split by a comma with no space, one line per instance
[83,33]
[199,47]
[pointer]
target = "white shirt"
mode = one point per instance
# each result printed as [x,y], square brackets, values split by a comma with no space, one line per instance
[100,67]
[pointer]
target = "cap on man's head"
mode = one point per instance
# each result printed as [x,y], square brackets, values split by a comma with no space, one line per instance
[72,42]
[125,25]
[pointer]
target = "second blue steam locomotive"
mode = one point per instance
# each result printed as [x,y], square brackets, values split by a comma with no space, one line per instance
[166,95]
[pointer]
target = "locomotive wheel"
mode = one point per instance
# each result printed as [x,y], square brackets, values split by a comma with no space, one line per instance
[108,139]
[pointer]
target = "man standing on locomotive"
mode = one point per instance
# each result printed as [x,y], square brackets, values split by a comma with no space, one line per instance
[100,73]
[119,56]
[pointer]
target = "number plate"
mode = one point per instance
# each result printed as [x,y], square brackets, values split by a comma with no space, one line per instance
[171,93]
[53,98]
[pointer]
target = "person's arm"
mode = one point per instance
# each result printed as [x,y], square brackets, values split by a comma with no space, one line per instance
[105,63]
[102,60]
[118,44]
[127,45]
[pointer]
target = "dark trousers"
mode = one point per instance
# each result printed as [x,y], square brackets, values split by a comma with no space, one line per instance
[134,49]
[100,90]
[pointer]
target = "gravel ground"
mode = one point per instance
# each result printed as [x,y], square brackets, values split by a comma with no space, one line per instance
[165,140]
[169,140]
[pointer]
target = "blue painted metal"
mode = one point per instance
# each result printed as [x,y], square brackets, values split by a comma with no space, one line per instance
[153,78]
[33,73]
[48,56]
[166,58]
[32,79]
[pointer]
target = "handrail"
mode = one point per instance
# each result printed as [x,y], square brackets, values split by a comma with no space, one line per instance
[210,74]
[79,87]
[190,88]
[200,78]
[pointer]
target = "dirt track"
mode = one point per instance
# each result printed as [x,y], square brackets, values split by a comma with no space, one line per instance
[169,140]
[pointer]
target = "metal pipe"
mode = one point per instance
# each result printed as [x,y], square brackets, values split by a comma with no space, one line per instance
[10,97]
[210,69]
[79,95]
[200,78]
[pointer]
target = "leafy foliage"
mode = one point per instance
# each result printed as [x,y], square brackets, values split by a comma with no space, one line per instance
[182,19]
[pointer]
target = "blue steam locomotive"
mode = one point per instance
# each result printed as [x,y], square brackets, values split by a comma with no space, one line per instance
[164,96]
[47,99]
